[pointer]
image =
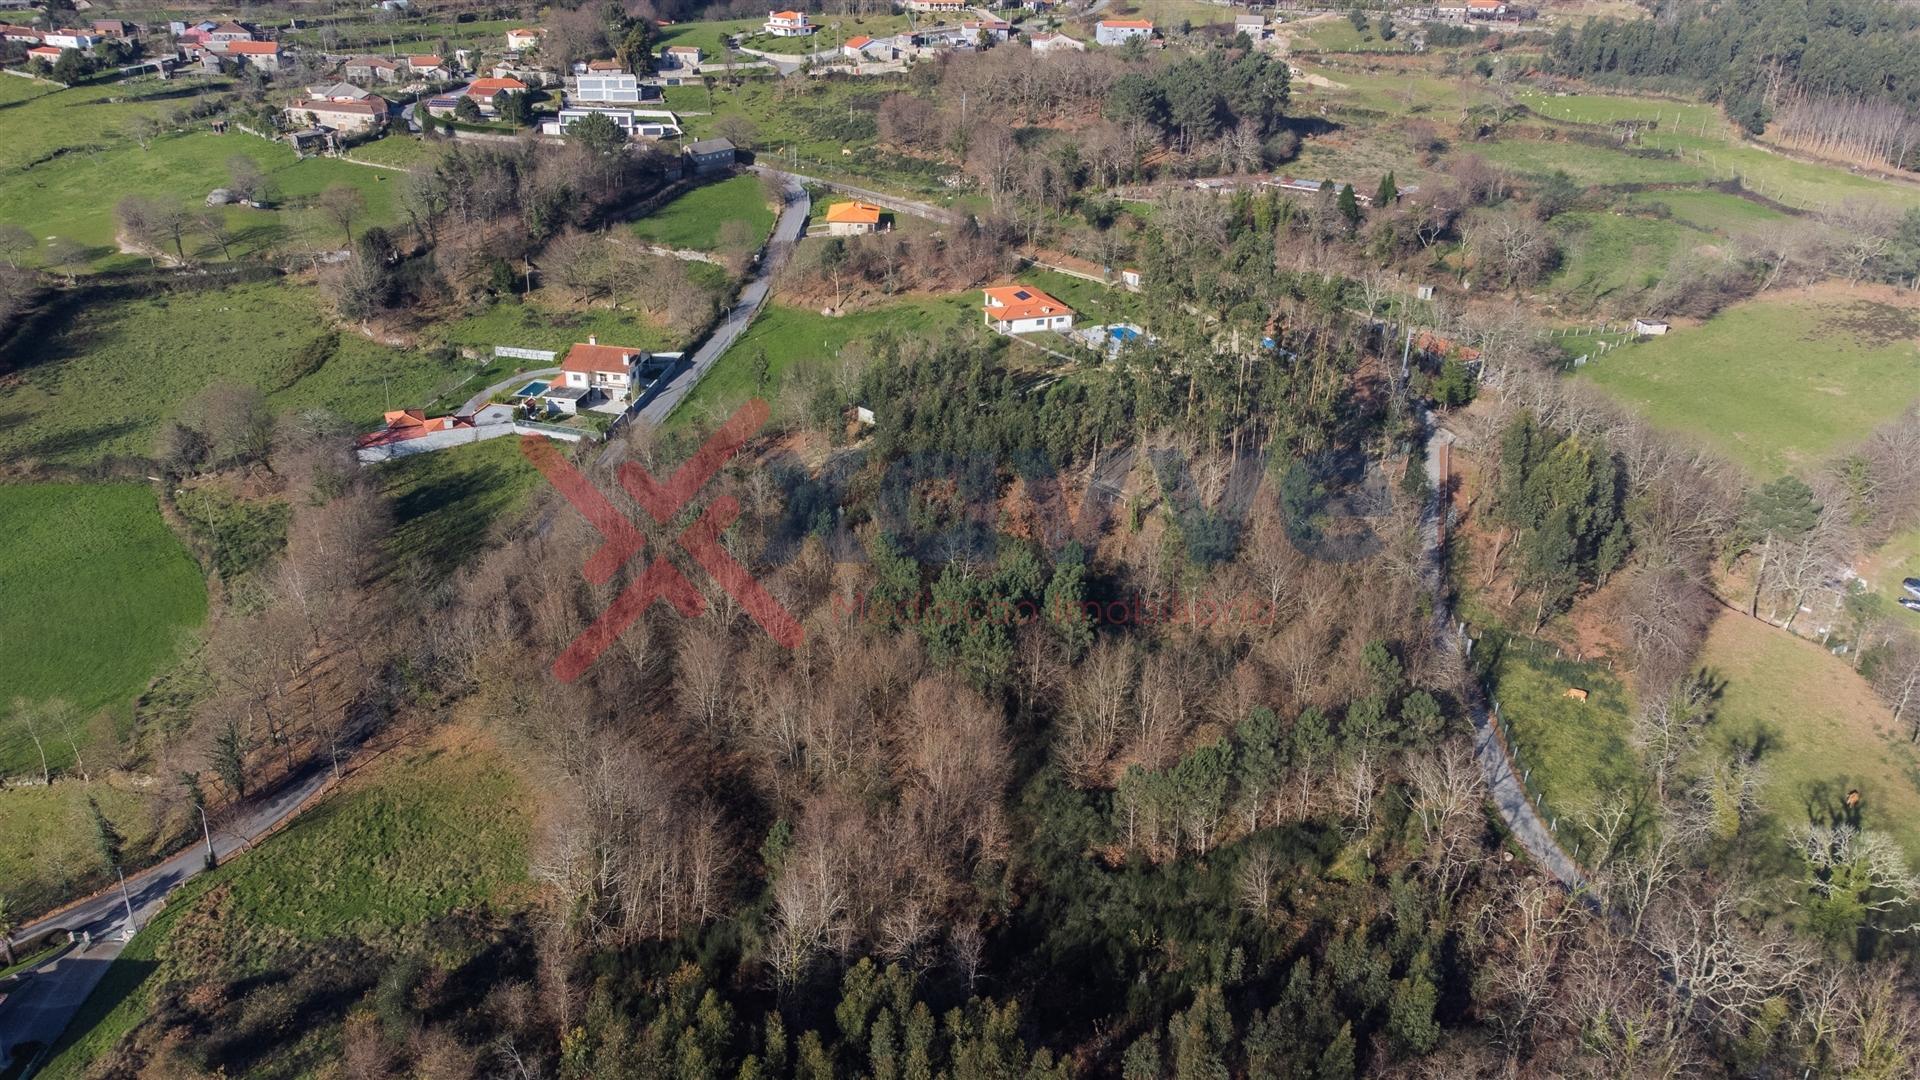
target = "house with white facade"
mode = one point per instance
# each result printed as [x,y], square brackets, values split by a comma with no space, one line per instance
[609,369]
[1047,43]
[608,88]
[789,24]
[1023,309]
[1121,31]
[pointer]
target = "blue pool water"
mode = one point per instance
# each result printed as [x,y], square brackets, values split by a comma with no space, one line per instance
[532,389]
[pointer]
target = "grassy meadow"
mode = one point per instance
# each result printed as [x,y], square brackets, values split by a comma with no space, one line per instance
[97,379]
[694,220]
[1577,752]
[1780,382]
[98,591]
[1816,729]
[431,832]
[50,854]
[1610,257]
[56,143]
[445,504]
[794,340]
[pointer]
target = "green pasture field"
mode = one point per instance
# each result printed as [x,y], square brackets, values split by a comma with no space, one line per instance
[433,831]
[1778,383]
[1713,211]
[98,378]
[185,168]
[693,220]
[1816,727]
[1338,35]
[1590,166]
[794,339]
[1576,753]
[51,856]
[38,120]
[396,149]
[98,591]
[446,503]
[1410,93]
[1718,151]
[1610,257]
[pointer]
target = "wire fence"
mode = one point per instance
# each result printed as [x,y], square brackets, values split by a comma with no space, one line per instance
[1522,758]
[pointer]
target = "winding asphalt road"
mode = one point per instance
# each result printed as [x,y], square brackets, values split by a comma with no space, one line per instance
[50,994]
[753,296]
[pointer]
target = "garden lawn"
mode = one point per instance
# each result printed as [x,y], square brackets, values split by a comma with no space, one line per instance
[794,340]
[398,149]
[424,833]
[1576,752]
[446,503]
[97,377]
[1778,383]
[184,168]
[1816,728]
[1092,302]
[710,37]
[693,220]
[98,591]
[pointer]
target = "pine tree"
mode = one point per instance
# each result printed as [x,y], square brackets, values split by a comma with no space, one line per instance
[1387,193]
[1349,205]
[1336,1063]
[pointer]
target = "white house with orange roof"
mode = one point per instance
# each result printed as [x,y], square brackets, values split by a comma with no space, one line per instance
[607,368]
[1023,309]
[1121,31]
[789,24]
[526,37]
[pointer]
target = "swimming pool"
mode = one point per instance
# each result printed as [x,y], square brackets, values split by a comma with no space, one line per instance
[532,389]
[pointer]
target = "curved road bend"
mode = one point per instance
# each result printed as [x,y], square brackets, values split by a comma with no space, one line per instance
[753,296]
[50,994]
[1509,795]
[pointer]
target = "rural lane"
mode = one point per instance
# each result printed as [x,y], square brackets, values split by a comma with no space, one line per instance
[50,995]
[753,296]
[1508,794]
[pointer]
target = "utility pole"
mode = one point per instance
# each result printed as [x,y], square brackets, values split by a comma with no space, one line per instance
[125,898]
[207,832]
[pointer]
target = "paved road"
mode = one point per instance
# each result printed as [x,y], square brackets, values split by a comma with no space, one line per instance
[786,233]
[1503,787]
[39,1011]
[881,198]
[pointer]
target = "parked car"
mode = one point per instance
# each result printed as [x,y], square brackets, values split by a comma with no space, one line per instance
[1910,603]
[1912,585]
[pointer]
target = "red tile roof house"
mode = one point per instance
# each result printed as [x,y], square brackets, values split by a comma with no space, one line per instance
[404,424]
[25,34]
[1023,309]
[606,368]
[490,93]
[43,52]
[264,55]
